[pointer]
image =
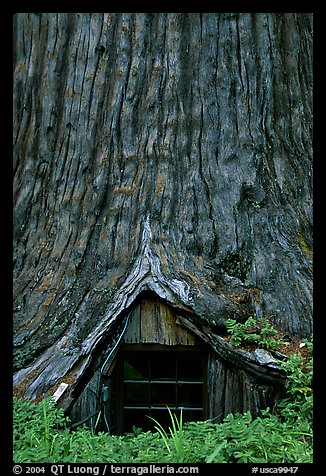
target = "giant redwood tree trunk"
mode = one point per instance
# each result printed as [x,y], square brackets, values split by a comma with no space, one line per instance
[166,151]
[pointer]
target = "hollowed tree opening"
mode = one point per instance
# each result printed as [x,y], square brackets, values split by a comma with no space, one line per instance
[155,362]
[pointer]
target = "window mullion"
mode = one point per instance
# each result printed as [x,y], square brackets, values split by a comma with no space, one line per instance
[149,385]
[176,382]
[161,374]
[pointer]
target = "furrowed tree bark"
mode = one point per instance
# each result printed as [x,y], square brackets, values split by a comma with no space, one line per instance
[169,152]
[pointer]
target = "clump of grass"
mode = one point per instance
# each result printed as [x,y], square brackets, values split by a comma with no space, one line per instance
[176,436]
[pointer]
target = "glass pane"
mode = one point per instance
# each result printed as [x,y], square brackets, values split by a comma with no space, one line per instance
[163,394]
[136,418]
[163,366]
[136,366]
[190,395]
[162,417]
[191,415]
[136,393]
[190,367]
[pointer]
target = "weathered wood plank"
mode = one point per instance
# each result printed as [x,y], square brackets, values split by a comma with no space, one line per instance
[153,321]
[216,388]
[132,333]
[150,325]
[88,401]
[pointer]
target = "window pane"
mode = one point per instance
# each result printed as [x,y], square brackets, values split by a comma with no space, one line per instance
[136,366]
[163,366]
[162,417]
[190,395]
[191,415]
[136,393]
[136,418]
[190,367]
[163,394]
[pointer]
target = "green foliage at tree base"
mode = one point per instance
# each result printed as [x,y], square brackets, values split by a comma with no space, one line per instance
[239,439]
[42,433]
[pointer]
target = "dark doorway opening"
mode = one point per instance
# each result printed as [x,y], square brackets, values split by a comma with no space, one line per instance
[149,378]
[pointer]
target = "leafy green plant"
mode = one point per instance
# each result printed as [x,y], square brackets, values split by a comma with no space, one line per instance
[42,434]
[259,333]
[35,429]
[297,406]
[243,439]
[239,438]
[216,455]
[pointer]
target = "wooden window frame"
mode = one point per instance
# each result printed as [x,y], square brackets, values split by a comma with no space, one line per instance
[117,402]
